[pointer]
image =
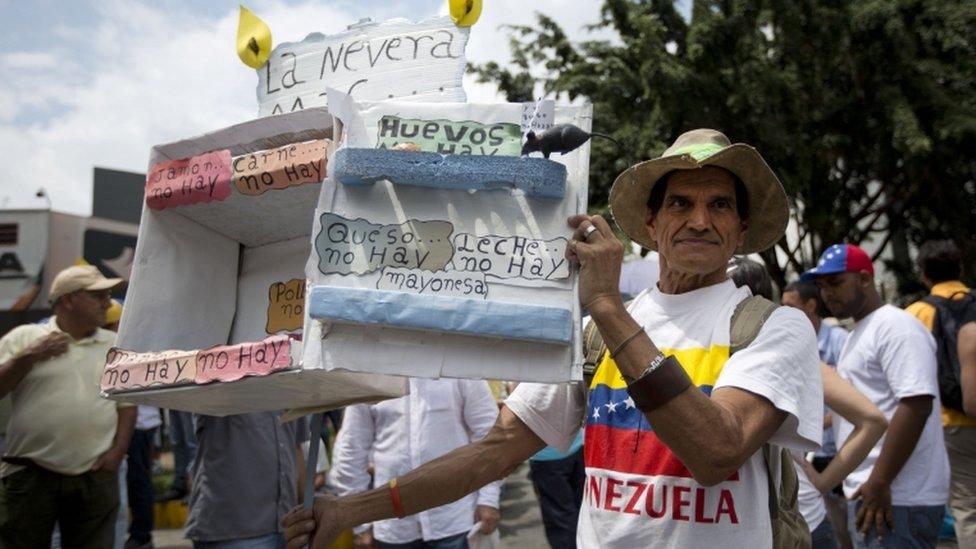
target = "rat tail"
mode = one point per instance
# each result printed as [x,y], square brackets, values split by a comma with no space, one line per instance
[607,137]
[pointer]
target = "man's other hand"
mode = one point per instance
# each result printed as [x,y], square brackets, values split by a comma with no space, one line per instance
[52,345]
[364,540]
[875,510]
[109,461]
[488,517]
[318,524]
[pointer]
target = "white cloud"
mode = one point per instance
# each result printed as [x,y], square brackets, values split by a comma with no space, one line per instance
[152,75]
[29,60]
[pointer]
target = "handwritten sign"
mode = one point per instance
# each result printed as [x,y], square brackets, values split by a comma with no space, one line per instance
[288,166]
[232,362]
[511,256]
[538,116]
[286,305]
[437,283]
[128,370]
[357,246]
[450,137]
[394,59]
[203,178]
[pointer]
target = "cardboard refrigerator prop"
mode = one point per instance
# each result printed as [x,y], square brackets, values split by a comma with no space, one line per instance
[215,309]
[438,251]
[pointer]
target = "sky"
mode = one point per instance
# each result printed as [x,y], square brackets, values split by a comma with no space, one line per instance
[99,83]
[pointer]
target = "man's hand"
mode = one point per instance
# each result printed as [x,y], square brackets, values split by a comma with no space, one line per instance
[488,517]
[318,524]
[110,460]
[41,349]
[364,540]
[599,254]
[875,508]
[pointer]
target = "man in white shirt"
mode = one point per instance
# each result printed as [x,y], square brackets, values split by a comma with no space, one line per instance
[897,495]
[675,423]
[404,433]
[64,441]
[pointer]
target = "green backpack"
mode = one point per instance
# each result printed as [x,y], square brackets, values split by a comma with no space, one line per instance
[789,529]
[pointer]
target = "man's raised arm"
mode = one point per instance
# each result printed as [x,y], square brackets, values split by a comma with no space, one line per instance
[441,481]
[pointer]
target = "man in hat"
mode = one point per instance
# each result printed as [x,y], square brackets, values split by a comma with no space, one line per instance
[64,441]
[897,495]
[698,477]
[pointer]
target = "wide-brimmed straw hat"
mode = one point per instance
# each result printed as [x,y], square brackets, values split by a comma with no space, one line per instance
[768,208]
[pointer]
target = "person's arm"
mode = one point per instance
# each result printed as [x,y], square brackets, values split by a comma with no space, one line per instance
[869,425]
[124,427]
[13,370]
[480,413]
[967,367]
[350,463]
[713,436]
[443,480]
[903,433]
[906,352]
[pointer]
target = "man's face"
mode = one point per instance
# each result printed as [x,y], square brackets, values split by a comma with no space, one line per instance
[88,307]
[843,293]
[698,228]
[809,307]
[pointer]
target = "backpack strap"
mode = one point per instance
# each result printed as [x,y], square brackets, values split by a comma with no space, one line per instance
[594,348]
[749,316]
[773,500]
[747,320]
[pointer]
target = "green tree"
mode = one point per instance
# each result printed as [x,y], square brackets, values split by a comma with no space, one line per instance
[866,110]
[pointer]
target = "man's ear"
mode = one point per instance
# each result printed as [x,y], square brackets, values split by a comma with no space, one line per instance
[810,306]
[742,233]
[649,220]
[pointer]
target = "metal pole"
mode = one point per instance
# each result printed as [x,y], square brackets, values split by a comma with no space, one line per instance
[312,459]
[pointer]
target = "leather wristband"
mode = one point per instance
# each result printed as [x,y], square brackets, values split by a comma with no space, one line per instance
[655,388]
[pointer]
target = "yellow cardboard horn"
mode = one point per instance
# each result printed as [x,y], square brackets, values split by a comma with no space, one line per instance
[465,12]
[253,39]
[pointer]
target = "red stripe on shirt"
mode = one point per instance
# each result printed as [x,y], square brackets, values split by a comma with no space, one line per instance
[632,451]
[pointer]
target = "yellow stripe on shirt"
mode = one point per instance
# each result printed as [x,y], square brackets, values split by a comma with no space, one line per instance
[702,365]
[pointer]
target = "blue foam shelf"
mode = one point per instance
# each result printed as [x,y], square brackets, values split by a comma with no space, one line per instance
[538,177]
[441,314]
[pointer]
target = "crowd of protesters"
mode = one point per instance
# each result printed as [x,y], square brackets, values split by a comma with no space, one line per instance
[710,415]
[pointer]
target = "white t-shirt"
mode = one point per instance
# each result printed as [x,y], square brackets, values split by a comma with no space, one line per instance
[809,500]
[890,356]
[637,493]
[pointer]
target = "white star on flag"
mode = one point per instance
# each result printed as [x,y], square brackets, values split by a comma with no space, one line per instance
[596,412]
[629,403]
[612,407]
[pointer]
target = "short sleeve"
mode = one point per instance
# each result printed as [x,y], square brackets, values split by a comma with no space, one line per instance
[907,355]
[554,412]
[17,340]
[782,365]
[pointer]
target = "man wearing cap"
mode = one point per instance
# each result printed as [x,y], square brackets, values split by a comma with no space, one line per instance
[64,441]
[675,426]
[897,495]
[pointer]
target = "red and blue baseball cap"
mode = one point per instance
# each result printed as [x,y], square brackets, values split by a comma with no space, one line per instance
[840,258]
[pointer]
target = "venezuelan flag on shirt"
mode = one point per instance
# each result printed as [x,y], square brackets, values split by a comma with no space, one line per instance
[619,437]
